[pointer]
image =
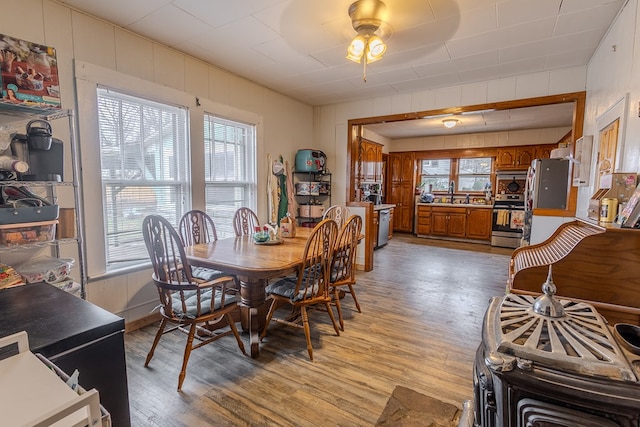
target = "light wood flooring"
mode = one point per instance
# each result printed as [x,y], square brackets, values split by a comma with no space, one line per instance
[422,312]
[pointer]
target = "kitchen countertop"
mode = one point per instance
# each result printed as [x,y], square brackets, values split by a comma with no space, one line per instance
[383,206]
[456,205]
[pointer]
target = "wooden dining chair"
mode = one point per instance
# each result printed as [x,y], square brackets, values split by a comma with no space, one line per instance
[310,286]
[189,305]
[343,272]
[244,221]
[338,213]
[197,227]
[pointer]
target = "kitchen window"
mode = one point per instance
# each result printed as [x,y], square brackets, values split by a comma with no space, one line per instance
[435,174]
[144,156]
[468,174]
[229,170]
[474,174]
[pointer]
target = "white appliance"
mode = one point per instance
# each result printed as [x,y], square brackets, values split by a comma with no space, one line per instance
[547,187]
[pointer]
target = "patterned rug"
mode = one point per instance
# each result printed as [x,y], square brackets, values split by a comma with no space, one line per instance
[407,408]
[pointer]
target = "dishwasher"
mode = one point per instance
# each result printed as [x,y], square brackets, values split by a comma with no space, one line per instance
[384,215]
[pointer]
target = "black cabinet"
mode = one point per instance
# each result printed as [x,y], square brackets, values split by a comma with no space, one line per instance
[73,334]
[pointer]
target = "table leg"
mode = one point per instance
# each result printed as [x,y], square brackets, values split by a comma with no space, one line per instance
[253,308]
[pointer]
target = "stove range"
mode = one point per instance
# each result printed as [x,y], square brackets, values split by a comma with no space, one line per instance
[547,362]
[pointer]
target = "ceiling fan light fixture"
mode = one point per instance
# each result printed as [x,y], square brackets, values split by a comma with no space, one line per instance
[366,17]
[449,123]
[356,49]
[375,48]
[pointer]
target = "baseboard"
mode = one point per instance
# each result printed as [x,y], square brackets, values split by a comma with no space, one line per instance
[141,323]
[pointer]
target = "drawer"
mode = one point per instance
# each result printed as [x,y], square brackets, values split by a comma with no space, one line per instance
[423,229]
[424,220]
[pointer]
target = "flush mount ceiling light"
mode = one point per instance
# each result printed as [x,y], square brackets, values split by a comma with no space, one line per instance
[367,18]
[449,123]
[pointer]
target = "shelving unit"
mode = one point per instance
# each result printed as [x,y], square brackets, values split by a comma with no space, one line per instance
[12,116]
[317,191]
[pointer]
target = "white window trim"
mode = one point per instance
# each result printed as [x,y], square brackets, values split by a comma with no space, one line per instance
[250,182]
[88,78]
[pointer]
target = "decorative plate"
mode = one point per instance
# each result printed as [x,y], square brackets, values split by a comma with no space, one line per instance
[270,242]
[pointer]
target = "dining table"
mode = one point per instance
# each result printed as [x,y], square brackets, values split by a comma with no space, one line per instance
[253,263]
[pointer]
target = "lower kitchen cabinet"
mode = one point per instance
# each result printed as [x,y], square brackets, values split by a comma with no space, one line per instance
[423,220]
[452,221]
[448,222]
[479,223]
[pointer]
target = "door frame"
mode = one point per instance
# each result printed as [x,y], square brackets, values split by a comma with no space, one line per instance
[355,131]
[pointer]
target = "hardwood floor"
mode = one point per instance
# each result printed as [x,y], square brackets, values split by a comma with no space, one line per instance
[422,312]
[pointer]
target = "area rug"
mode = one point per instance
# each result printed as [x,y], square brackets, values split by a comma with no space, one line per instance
[406,408]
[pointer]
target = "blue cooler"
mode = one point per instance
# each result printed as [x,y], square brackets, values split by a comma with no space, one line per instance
[310,161]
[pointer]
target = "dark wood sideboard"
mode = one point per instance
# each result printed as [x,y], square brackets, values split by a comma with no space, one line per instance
[594,262]
[73,334]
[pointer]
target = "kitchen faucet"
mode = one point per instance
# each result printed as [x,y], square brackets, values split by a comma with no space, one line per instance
[452,185]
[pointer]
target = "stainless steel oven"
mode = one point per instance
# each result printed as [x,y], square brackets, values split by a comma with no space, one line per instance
[508,220]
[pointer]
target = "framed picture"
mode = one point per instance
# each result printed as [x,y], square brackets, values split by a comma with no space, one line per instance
[29,74]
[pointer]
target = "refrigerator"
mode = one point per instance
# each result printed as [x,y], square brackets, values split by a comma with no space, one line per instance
[547,187]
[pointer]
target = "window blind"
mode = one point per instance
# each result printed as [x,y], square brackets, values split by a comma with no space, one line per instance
[144,168]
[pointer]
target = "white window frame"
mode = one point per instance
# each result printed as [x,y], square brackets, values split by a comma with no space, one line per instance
[424,177]
[170,171]
[239,140]
[87,78]
[459,174]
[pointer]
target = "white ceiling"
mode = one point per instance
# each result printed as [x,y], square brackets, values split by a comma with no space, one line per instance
[298,47]
[546,116]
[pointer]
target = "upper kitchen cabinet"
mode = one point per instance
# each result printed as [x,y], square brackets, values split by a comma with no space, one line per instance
[544,151]
[515,157]
[520,157]
[371,161]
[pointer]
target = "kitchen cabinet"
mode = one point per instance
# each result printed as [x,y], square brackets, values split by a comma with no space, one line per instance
[390,222]
[479,223]
[544,151]
[73,334]
[401,189]
[520,157]
[50,190]
[462,222]
[450,222]
[313,196]
[423,220]
[371,181]
[371,163]
[515,157]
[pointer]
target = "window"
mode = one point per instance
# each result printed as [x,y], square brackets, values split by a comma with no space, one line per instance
[229,149]
[436,174]
[144,169]
[474,174]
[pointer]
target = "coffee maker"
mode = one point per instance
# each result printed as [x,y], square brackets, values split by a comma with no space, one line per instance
[43,153]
